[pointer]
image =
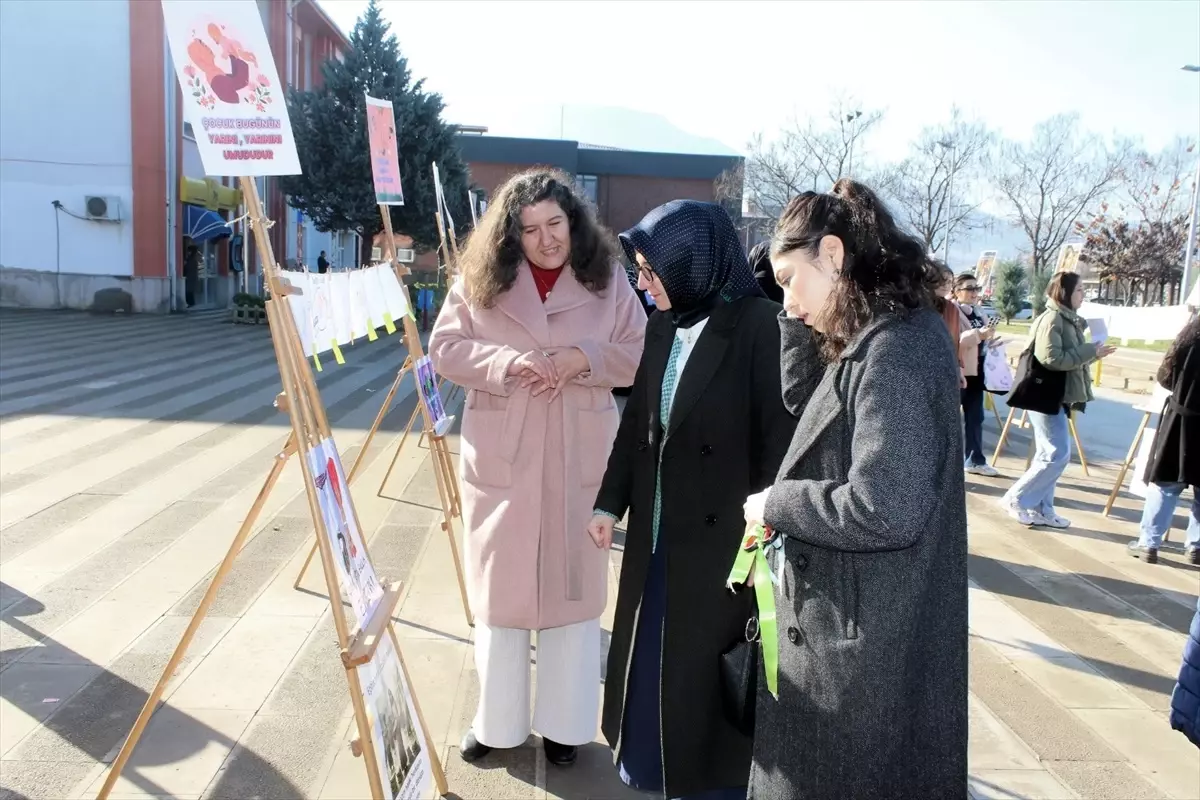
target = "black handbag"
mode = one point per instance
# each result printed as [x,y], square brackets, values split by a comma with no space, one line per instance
[739,679]
[1036,388]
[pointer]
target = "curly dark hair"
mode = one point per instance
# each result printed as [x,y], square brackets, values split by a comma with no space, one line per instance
[884,270]
[493,253]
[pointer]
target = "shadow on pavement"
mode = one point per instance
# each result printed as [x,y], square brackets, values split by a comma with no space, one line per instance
[97,719]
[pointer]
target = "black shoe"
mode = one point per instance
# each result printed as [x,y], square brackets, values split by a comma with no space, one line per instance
[561,755]
[1147,554]
[471,749]
[1192,555]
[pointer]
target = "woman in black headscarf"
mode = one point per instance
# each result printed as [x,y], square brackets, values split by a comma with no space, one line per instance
[704,424]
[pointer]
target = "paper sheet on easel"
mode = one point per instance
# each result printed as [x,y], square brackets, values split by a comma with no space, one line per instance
[1098,329]
[358,304]
[300,302]
[320,313]
[400,743]
[395,296]
[1137,478]
[339,302]
[373,289]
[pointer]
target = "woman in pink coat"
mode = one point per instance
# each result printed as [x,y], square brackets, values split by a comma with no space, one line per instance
[539,330]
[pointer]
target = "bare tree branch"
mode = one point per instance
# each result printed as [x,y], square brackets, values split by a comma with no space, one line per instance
[1054,180]
[932,186]
[808,156]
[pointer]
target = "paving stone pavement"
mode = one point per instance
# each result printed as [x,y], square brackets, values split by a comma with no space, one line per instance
[132,447]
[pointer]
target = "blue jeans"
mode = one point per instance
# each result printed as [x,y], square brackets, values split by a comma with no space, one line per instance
[1034,491]
[972,406]
[1161,499]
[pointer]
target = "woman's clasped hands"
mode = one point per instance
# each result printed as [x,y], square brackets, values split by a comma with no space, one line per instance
[550,369]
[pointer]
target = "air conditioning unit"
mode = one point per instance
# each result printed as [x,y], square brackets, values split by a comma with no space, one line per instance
[102,209]
[405,256]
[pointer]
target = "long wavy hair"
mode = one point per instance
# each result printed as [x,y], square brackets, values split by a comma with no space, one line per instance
[884,270]
[493,253]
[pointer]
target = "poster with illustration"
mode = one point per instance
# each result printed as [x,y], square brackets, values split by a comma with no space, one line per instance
[231,91]
[385,157]
[1068,257]
[983,270]
[428,383]
[320,312]
[355,573]
[400,752]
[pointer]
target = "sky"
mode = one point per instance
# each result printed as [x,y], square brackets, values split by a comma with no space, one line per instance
[722,71]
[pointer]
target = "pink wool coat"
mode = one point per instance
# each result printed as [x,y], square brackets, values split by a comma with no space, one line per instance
[531,466]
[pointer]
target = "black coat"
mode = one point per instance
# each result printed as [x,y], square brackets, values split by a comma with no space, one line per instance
[729,431]
[872,600]
[1175,457]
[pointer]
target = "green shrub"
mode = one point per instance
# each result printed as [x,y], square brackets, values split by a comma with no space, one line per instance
[1011,288]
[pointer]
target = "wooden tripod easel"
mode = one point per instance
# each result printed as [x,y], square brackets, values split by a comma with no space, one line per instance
[1012,412]
[443,461]
[301,400]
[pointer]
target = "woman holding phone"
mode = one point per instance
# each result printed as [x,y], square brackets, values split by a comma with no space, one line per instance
[975,337]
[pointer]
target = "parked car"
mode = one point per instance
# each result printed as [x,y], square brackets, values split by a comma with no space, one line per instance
[1026,311]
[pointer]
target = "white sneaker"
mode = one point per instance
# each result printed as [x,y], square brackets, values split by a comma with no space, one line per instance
[1022,516]
[1051,520]
[983,470]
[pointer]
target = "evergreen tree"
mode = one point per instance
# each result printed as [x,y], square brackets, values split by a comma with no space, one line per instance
[1011,288]
[336,189]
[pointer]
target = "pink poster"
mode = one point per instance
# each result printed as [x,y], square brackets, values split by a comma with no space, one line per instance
[385,159]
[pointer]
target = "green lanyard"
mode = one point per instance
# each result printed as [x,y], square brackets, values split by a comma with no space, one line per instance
[750,556]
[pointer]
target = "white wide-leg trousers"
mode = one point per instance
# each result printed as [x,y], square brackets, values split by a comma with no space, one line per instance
[568,684]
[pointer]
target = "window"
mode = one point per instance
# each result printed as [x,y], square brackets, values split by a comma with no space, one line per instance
[588,186]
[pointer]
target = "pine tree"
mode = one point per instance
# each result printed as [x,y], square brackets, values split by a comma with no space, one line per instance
[336,190]
[1011,288]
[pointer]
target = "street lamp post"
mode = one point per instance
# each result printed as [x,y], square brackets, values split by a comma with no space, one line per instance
[949,144]
[1191,237]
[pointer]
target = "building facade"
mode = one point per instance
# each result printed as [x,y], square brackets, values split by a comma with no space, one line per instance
[622,184]
[100,178]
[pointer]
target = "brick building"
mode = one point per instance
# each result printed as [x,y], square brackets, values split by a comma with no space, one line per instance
[623,184]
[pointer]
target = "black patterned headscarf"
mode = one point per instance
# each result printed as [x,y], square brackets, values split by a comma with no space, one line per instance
[694,250]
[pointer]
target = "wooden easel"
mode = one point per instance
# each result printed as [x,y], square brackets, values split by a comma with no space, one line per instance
[1012,412]
[301,400]
[443,461]
[1130,457]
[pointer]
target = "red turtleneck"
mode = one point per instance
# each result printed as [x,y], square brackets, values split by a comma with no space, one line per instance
[544,280]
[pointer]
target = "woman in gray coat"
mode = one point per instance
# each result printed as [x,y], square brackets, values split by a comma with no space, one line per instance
[867,522]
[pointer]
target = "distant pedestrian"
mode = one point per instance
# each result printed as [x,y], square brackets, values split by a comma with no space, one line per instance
[1175,456]
[191,273]
[972,343]
[867,524]
[1060,345]
[322,263]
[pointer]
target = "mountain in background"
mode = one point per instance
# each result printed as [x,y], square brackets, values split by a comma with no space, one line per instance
[607,126]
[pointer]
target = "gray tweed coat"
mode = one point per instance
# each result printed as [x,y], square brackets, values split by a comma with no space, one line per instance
[872,597]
